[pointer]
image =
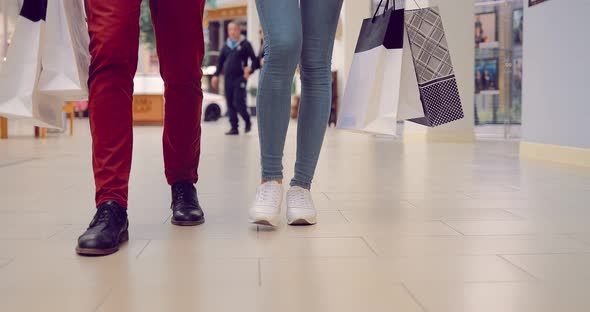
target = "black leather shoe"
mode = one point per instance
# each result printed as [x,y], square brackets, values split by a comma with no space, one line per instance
[106,232]
[185,205]
[248,127]
[232,132]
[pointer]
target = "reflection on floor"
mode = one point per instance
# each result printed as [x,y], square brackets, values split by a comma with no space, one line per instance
[439,227]
[502,132]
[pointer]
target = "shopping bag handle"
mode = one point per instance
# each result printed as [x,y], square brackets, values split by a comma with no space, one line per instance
[386,8]
[419,7]
[34,10]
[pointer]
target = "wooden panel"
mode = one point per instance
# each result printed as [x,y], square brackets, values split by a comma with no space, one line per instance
[3,128]
[71,110]
[226,13]
[148,109]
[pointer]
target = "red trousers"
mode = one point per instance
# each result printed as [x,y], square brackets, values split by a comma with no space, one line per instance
[114,44]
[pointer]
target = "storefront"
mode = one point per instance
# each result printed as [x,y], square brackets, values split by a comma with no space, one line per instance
[498,61]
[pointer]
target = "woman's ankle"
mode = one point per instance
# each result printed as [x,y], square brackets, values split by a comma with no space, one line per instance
[278,181]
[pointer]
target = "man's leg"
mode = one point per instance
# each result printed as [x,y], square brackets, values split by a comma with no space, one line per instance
[179,31]
[179,37]
[114,40]
[240,102]
[231,104]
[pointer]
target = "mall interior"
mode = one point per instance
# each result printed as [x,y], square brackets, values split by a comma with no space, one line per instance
[487,213]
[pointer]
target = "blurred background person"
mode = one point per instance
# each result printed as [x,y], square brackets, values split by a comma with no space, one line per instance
[233,63]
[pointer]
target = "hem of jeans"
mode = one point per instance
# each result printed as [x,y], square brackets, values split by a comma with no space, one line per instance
[106,199]
[272,178]
[304,185]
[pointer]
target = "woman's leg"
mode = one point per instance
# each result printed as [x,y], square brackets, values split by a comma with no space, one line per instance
[281,23]
[319,20]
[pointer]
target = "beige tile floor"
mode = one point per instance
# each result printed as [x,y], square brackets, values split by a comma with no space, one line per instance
[403,227]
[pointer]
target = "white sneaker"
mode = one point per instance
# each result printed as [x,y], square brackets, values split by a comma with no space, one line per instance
[266,209]
[300,208]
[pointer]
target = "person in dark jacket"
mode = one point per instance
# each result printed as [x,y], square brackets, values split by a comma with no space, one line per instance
[233,62]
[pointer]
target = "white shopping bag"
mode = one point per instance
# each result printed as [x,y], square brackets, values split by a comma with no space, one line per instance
[381,87]
[19,75]
[64,51]
[368,104]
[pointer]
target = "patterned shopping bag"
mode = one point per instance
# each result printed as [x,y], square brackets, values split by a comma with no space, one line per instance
[434,70]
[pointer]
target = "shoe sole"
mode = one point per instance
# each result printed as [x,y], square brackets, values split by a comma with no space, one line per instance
[268,220]
[124,237]
[187,223]
[303,221]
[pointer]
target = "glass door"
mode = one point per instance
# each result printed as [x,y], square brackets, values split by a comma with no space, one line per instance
[498,67]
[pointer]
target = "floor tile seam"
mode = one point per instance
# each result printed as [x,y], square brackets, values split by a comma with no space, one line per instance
[142,249]
[518,267]
[520,218]
[168,216]
[451,227]
[259,264]
[344,216]
[413,297]
[468,195]
[581,252]
[373,250]
[63,229]
[283,258]
[302,237]
[476,254]
[19,162]
[487,283]
[10,260]
[103,300]
[496,234]
[572,236]
[41,238]
[385,257]
[221,259]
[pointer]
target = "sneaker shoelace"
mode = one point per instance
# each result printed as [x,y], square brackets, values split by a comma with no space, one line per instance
[299,198]
[266,193]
